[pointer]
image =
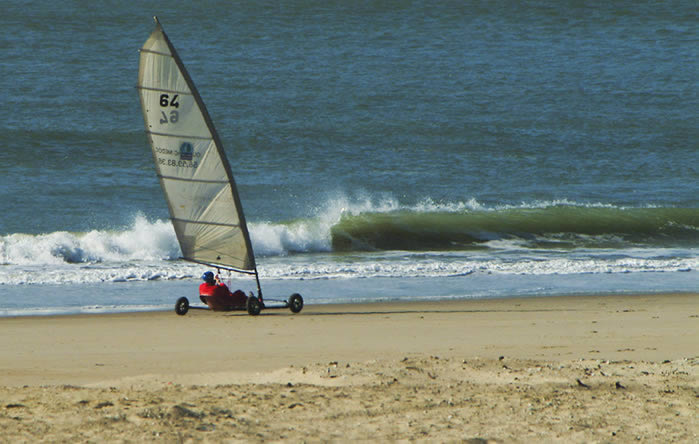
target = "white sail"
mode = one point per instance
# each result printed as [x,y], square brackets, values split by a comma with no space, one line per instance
[191,164]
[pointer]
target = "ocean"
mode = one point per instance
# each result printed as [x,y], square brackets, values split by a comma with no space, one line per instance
[383,150]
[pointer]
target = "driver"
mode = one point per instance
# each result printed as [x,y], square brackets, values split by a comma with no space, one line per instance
[214,293]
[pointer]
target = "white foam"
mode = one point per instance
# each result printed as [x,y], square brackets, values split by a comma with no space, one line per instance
[270,239]
[143,240]
[437,268]
[324,266]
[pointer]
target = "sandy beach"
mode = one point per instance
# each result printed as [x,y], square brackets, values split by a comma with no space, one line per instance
[552,369]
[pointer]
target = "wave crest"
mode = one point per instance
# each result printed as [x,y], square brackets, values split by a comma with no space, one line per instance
[385,224]
[558,226]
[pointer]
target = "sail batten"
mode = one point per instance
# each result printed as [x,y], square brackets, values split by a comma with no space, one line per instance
[180,135]
[191,180]
[163,90]
[190,162]
[201,222]
[155,52]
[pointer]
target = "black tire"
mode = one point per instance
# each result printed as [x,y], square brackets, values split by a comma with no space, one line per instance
[253,306]
[295,303]
[182,306]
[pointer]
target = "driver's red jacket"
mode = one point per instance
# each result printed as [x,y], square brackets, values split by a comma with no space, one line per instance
[218,297]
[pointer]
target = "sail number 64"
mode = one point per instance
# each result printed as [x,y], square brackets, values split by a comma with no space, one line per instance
[165,101]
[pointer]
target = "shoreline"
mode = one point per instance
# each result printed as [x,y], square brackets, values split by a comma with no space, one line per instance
[427,300]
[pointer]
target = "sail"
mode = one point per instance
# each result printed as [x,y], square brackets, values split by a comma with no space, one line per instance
[190,161]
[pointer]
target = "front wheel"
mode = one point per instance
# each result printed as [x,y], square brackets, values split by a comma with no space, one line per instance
[253,306]
[182,306]
[295,303]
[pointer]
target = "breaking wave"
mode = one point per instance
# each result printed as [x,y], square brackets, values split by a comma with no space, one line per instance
[383,238]
[361,226]
[142,241]
[555,226]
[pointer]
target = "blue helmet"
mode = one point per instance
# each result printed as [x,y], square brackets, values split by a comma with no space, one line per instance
[208,276]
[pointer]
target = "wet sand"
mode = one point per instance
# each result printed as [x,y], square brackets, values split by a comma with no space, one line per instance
[580,369]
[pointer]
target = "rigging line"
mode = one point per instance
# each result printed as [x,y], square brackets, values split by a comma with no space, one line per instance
[218,224]
[184,93]
[186,179]
[181,136]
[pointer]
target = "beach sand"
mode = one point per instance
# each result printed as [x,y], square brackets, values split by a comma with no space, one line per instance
[551,369]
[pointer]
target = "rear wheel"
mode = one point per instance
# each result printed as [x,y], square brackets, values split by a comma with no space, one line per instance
[295,303]
[253,306]
[182,306]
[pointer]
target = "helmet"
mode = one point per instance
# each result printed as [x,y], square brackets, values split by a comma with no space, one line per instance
[208,276]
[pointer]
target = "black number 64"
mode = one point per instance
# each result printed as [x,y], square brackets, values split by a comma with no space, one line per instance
[165,100]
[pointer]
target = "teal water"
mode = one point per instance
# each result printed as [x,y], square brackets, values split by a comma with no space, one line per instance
[385,139]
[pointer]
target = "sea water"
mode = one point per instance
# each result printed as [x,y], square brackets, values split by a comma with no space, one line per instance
[384,150]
